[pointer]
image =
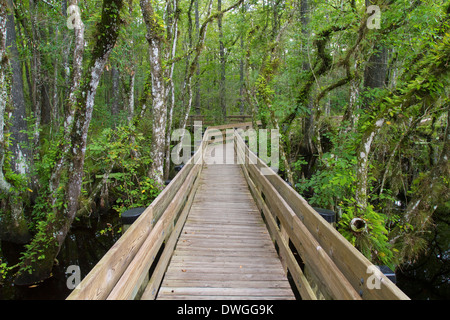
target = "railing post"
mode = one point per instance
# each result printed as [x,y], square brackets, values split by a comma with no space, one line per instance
[328,215]
[130,216]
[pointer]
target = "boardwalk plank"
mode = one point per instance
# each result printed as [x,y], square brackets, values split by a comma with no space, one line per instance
[224,250]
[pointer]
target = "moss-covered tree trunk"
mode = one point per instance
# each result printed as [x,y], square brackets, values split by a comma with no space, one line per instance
[160,88]
[172,30]
[76,76]
[222,62]
[155,38]
[4,185]
[13,225]
[38,260]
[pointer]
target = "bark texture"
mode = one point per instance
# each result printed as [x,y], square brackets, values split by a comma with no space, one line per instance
[13,225]
[58,224]
[155,38]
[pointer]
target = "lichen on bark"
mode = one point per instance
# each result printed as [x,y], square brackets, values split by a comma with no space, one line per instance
[54,230]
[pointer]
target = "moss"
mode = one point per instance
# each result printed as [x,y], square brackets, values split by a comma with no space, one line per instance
[37,261]
[108,28]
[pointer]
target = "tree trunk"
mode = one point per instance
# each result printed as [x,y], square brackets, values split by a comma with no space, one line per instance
[36,89]
[307,145]
[108,29]
[376,69]
[241,77]
[405,96]
[115,75]
[377,66]
[77,72]
[13,225]
[193,65]
[173,33]
[155,38]
[55,92]
[222,88]
[21,154]
[267,72]
[350,118]
[197,83]
[129,96]
[58,225]
[374,77]
[4,67]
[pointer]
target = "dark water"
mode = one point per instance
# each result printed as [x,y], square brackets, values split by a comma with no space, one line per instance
[428,278]
[84,247]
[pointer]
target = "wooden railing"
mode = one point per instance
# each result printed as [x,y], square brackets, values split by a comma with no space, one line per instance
[230,119]
[135,264]
[306,242]
[123,273]
[311,250]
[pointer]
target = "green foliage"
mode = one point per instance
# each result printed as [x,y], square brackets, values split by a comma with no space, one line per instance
[128,153]
[18,182]
[335,179]
[136,193]
[5,270]
[416,34]
[372,240]
[41,250]
[46,157]
[332,184]
[334,187]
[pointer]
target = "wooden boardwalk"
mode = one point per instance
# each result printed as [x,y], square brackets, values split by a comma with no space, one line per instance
[224,250]
[204,237]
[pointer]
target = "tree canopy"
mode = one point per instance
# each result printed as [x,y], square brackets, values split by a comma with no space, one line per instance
[90,92]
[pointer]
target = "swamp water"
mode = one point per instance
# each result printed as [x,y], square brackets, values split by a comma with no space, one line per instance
[84,247]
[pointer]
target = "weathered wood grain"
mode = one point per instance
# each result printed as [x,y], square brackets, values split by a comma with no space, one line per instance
[224,250]
[332,248]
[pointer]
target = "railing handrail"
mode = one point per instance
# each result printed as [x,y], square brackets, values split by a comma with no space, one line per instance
[328,249]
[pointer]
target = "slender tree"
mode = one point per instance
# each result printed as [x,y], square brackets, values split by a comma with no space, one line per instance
[48,242]
[222,65]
